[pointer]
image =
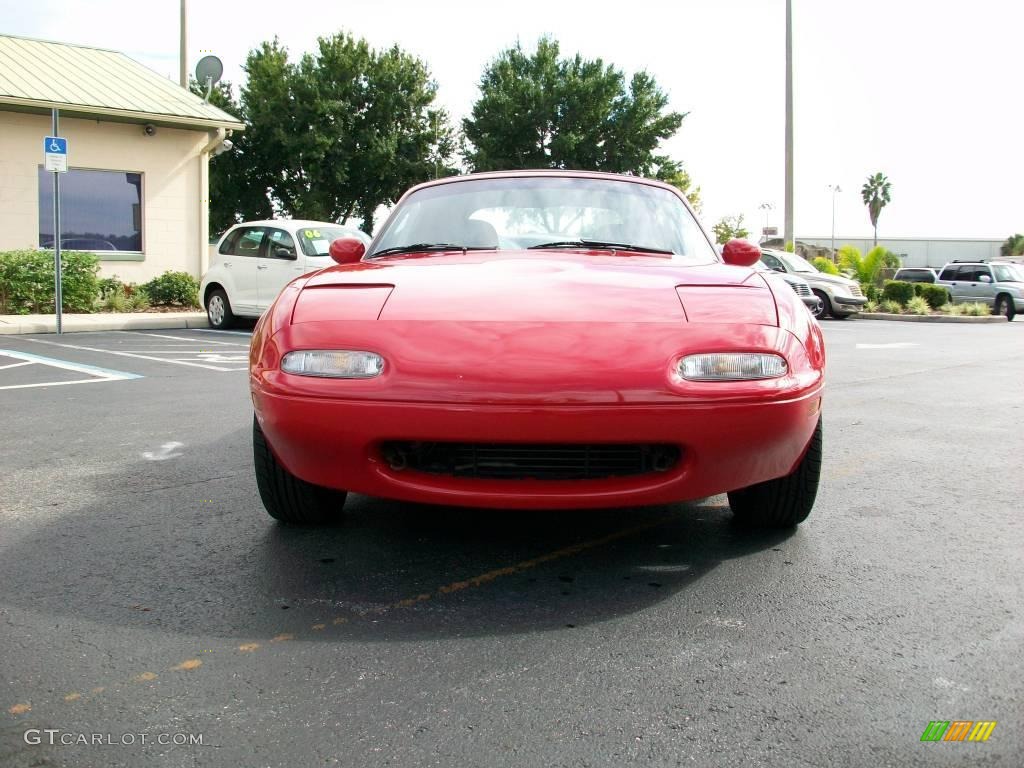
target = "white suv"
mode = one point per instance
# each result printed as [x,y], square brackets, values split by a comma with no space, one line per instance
[256,259]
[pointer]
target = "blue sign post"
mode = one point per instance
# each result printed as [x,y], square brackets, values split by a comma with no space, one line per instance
[55,157]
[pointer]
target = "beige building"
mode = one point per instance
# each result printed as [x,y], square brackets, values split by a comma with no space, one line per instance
[138,156]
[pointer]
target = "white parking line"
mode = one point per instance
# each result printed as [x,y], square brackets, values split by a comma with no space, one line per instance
[893,345]
[130,354]
[186,338]
[214,330]
[97,374]
[15,365]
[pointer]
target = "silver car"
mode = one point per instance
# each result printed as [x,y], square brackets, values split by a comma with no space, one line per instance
[840,296]
[1000,284]
[800,286]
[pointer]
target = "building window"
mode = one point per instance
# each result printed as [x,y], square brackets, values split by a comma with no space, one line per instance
[99,210]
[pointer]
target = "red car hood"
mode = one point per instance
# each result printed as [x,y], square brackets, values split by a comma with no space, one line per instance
[526,328]
[531,287]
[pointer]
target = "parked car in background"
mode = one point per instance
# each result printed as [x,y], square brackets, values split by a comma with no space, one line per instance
[256,259]
[1000,284]
[916,275]
[538,340]
[800,286]
[840,296]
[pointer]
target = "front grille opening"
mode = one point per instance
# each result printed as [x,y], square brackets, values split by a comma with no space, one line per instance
[543,461]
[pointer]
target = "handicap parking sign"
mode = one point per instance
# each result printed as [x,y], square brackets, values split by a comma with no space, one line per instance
[55,154]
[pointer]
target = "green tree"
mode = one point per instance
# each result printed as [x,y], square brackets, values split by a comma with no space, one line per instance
[729,227]
[1014,246]
[865,269]
[876,195]
[542,111]
[334,135]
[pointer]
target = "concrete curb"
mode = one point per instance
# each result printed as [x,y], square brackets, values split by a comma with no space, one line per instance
[127,321]
[933,318]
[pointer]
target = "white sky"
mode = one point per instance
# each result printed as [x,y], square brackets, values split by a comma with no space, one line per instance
[928,93]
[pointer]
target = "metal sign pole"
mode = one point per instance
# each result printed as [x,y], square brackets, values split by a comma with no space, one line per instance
[58,294]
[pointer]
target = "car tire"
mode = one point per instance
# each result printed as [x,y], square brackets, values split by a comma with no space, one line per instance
[826,306]
[286,497]
[786,501]
[218,310]
[1004,306]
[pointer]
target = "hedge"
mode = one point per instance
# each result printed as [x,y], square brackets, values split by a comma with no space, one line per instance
[898,291]
[936,295]
[173,288]
[26,281]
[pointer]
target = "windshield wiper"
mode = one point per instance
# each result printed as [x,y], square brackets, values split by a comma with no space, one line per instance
[417,247]
[599,244]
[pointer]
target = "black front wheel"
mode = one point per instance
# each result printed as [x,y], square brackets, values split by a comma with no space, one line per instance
[218,310]
[822,310]
[1004,306]
[785,501]
[286,497]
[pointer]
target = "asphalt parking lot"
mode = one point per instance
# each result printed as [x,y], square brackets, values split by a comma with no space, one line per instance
[144,591]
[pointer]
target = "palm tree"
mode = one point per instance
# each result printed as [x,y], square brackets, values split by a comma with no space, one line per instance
[1014,246]
[875,194]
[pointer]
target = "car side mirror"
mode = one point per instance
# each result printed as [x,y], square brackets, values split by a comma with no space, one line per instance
[347,250]
[740,253]
[984,279]
[778,269]
[284,253]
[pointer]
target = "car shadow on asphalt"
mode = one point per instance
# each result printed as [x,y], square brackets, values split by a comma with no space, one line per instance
[200,557]
[396,571]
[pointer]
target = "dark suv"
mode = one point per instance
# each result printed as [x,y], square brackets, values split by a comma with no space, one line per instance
[916,275]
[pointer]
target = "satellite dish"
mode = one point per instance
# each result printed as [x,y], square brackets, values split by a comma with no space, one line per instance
[209,71]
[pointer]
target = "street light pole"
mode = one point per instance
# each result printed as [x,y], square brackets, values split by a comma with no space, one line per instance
[788,230]
[183,47]
[835,189]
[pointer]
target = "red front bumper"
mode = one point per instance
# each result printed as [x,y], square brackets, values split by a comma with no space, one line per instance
[725,446]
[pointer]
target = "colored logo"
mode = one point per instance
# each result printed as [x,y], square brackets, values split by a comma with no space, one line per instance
[958,730]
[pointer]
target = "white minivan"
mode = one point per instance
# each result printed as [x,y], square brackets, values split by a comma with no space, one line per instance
[256,259]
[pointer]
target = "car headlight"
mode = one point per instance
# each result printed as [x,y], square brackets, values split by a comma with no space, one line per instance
[732,366]
[333,363]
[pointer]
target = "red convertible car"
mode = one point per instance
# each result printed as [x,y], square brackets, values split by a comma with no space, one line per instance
[539,339]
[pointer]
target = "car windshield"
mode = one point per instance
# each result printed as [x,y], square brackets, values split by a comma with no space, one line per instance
[546,212]
[796,263]
[1008,273]
[316,241]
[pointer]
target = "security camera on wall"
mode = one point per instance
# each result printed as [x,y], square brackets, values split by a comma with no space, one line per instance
[149,129]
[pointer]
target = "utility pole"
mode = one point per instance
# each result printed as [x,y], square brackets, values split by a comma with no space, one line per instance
[835,189]
[183,52]
[788,225]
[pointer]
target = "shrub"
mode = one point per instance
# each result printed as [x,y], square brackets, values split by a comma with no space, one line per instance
[952,309]
[866,269]
[870,290]
[116,296]
[825,265]
[871,306]
[935,295]
[898,291]
[977,309]
[173,288]
[138,301]
[109,286]
[917,306]
[26,281]
[892,307]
